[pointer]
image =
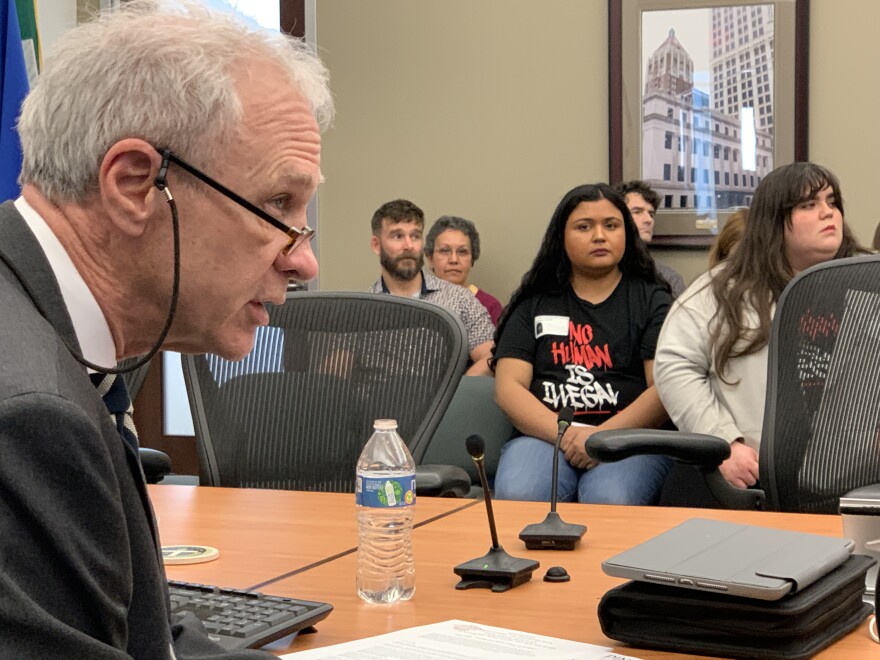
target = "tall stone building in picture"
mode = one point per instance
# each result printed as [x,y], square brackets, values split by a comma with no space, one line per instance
[742,62]
[710,154]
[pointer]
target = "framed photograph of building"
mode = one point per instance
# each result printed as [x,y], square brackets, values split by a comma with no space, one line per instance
[706,98]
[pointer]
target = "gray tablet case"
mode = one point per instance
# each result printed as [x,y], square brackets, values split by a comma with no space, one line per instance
[740,560]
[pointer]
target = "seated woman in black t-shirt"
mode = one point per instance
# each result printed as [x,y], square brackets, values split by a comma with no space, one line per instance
[581,332]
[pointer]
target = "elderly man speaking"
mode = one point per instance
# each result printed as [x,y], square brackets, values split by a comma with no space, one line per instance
[169,155]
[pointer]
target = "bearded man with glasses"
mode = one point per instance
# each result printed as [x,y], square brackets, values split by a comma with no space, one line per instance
[397,240]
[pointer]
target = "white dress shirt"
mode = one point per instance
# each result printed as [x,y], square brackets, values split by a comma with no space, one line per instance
[89,322]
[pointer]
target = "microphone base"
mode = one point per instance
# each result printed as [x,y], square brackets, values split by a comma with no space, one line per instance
[552,534]
[496,570]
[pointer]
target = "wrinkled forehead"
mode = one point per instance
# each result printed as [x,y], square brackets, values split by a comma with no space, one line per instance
[407,224]
[453,236]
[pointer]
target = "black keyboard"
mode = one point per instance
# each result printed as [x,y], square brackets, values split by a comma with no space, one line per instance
[238,619]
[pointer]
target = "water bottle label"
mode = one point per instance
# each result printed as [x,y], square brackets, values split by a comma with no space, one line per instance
[385,492]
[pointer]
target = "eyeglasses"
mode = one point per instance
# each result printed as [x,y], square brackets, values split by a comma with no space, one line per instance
[461,253]
[296,236]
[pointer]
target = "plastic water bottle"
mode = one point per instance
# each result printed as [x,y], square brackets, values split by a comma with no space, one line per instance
[385,494]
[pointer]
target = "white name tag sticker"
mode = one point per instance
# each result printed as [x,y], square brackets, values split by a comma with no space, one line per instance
[551,325]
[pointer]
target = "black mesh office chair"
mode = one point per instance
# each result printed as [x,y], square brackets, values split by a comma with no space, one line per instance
[473,410]
[296,412]
[821,433]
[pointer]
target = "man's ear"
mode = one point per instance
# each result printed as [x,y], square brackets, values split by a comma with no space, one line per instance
[374,243]
[126,181]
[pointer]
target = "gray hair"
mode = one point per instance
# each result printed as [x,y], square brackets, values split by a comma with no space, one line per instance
[466,227]
[157,70]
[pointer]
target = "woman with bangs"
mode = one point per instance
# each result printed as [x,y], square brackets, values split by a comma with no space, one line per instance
[581,332]
[711,363]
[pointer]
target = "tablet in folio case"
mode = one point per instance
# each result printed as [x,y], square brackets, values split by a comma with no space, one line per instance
[727,558]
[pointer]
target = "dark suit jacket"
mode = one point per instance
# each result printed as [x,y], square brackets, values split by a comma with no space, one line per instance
[80,573]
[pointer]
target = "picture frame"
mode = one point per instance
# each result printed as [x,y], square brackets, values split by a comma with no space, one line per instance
[705,98]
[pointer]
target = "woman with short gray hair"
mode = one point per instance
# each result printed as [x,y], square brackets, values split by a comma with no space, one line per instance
[452,248]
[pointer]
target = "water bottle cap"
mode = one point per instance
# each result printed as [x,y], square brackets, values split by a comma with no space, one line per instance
[385,424]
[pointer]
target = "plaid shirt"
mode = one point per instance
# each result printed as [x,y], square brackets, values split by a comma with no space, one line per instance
[456,299]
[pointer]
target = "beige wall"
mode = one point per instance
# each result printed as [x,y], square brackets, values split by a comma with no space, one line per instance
[845,103]
[492,109]
[482,109]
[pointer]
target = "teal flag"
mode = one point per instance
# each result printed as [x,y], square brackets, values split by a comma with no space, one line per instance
[13,88]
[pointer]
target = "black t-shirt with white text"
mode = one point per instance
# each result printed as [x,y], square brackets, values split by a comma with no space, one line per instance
[590,357]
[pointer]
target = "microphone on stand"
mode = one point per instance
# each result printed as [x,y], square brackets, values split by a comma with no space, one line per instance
[496,570]
[554,533]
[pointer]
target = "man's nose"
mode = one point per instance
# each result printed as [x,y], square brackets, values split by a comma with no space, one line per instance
[300,264]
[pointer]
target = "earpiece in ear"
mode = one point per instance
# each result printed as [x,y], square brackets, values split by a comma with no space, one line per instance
[161,183]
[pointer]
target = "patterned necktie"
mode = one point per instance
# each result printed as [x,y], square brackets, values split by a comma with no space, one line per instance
[111,388]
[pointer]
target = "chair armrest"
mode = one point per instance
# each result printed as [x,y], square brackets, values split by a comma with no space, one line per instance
[705,451]
[156,464]
[442,481]
[731,497]
[867,495]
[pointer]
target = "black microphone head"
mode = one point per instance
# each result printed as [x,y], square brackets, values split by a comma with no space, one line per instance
[476,446]
[566,415]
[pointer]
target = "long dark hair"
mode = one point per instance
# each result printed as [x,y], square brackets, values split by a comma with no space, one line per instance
[551,271]
[758,270]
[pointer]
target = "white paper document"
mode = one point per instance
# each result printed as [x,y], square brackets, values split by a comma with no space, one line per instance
[459,640]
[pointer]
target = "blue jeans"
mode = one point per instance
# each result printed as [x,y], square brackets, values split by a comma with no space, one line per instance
[525,472]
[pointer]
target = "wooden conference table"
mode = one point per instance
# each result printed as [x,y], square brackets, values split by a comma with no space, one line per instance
[304,545]
[263,535]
